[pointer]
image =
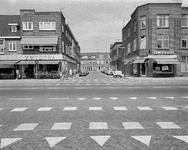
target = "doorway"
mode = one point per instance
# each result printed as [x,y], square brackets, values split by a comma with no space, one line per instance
[143,69]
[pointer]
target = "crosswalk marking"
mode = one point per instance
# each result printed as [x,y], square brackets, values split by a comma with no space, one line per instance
[132,125]
[44,109]
[144,108]
[70,108]
[152,97]
[61,126]
[170,108]
[18,109]
[22,99]
[101,140]
[98,125]
[120,108]
[183,138]
[0,108]
[95,108]
[52,141]
[184,96]
[169,97]
[168,125]
[58,98]
[114,98]
[81,98]
[7,141]
[26,126]
[96,98]
[143,139]
[133,98]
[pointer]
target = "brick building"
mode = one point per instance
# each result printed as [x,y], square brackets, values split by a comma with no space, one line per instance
[46,47]
[155,40]
[116,53]
[95,61]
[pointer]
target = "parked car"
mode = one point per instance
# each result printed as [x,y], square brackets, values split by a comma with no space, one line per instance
[109,72]
[117,74]
[83,73]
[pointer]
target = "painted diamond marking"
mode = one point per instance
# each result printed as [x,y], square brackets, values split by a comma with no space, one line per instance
[168,125]
[170,108]
[114,98]
[7,141]
[133,98]
[70,108]
[183,138]
[143,139]
[26,126]
[97,98]
[152,97]
[132,125]
[95,108]
[18,109]
[144,108]
[101,140]
[61,126]
[52,141]
[44,109]
[120,108]
[98,125]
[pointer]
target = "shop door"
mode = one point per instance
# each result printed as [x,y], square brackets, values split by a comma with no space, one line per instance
[143,69]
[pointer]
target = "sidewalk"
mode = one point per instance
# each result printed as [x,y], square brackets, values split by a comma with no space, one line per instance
[162,78]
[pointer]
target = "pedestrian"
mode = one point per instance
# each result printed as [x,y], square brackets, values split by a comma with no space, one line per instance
[17,74]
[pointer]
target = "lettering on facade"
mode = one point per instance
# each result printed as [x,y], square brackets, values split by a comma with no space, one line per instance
[39,57]
[163,53]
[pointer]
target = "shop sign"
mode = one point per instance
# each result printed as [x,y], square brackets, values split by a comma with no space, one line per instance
[164,68]
[163,53]
[41,57]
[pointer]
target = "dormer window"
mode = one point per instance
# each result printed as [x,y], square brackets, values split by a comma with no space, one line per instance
[13,27]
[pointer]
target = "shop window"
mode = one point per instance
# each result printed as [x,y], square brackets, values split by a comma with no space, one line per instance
[163,21]
[184,41]
[12,46]
[47,49]
[27,47]
[162,41]
[162,68]
[184,21]
[143,22]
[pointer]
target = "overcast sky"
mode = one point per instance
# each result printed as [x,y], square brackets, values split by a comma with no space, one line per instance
[95,23]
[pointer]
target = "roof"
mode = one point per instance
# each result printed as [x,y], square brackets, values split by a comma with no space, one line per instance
[5,29]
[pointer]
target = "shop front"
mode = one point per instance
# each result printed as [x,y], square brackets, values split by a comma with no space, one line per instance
[8,69]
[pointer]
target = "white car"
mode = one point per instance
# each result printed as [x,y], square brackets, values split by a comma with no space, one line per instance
[118,74]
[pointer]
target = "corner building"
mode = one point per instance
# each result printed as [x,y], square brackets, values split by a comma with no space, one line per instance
[154,41]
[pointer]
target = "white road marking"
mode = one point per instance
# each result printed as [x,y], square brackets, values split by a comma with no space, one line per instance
[59,98]
[97,98]
[133,98]
[143,139]
[51,88]
[29,88]
[44,109]
[70,108]
[98,125]
[18,109]
[169,97]
[61,126]
[52,141]
[7,141]
[0,125]
[170,108]
[120,108]
[152,97]
[132,125]
[101,140]
[26,126]
[184,96]
[57,84]
[144,108]
[1,108]
[22,99]
[168,125]
[95,108]
[183,138]
[114,98]
[81,98]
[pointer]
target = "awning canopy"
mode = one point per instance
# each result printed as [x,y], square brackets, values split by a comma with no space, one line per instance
[139,61]
[167,61]
[26,63]
[8,62]
[39,40]
[48,62]
[6,66]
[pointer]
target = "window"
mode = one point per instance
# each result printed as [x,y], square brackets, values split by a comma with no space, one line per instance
[134,45]
[163,41]
[163,21]
[27,47]
[63,47]
[47,49]
[2,46]
[47,26]
[102,61]
[128,48]
[128,32]
[27,25]
[143,42]
[12,46]
[13,28]
[162,68]
[184,21]
[184,41]
[143,22]
[63,28]
[134,26]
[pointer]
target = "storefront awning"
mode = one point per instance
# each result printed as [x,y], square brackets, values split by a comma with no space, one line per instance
[48,62]
[26,63]
[39,40]
[167,61]
[8,62]
[138,61]
[6,66]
